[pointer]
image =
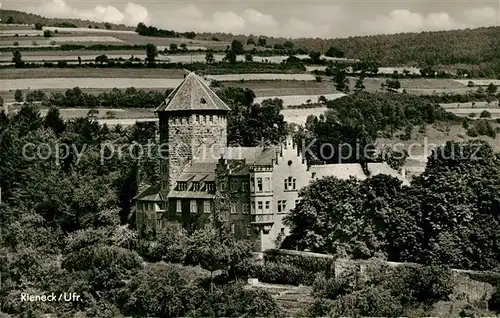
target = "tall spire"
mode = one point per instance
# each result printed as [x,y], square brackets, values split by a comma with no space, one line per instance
[192,94]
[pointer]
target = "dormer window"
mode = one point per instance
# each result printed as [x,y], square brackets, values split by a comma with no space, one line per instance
[196,186]
[210,186]
[203,101]
[181,186]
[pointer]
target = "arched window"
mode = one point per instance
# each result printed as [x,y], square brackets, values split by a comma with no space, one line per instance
[203,101]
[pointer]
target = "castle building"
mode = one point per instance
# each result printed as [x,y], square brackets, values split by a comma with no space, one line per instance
[251,189]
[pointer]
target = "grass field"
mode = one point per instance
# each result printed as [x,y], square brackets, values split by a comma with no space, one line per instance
[40,73]
[275,88]
[88,82]
[417,85]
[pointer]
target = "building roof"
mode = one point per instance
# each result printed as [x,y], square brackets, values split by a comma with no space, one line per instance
[253,155]
[347,170]
[198,171]
[340,171]
[191,95]
[190,195]
[152,193]
[383,168]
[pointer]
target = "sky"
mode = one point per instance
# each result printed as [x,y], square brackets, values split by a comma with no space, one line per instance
[284,18]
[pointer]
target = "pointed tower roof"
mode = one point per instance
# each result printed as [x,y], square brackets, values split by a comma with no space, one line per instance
[191,95]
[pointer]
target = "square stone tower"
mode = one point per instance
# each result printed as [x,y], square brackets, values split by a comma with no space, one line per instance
[191,118]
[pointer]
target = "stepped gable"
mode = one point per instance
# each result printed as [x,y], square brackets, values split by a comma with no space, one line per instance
[193,94]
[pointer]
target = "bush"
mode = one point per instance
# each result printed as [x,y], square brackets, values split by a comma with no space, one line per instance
[273,273]
[472,132]
[47,33]
[485,114]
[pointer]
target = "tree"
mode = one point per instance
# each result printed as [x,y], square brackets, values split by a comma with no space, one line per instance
[485,114]
[248,57]
[492,89]
[209,57]
[288,45]
[237,47]
[93,112]
[173,47]
[17,59]
[38,26]
[334,52]
[54,121]
[47,33]
[79,61]
[108,26]
[335,215]
[230,57]
[151,53]
[250,41]
[249,123]
[393,84]
[101,59]
[215,249]
[183,47]
[262,42]
[340,79]
[359,86]
[10,20]
[18,96]
[315,57]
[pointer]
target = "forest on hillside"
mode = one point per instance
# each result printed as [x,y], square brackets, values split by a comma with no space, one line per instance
[469,46]
[19,17]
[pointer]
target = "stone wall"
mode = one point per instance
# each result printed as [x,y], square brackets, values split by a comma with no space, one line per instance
[465,288]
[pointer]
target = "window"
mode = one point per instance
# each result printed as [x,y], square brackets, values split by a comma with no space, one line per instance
[244,186]
[197,118]
[159,222]
[233,208]
[268,206]
[297,202]
[210,186]
[290,184]
[211,118]
[234,185]
[223,187]
[246,208]
[259,184]
[181,186]
[267,184]
[179,206]
[232,228]
[205,119]
[194,207]
[282,206]
[249,230]
[196,186]
[282,230]
[203,101]
[259,206]
[206,206]
[314,175]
